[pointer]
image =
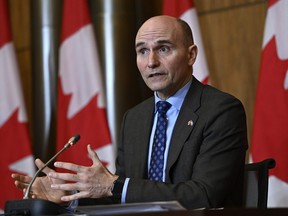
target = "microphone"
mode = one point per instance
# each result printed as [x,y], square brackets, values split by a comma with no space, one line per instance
[38,206]
[73,140]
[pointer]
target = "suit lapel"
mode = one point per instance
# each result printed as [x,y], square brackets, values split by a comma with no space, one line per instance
[142,146]
[186,120]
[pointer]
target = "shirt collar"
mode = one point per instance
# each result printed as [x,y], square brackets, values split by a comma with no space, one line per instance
[177,99]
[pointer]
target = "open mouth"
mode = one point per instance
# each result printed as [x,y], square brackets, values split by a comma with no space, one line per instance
[156,75]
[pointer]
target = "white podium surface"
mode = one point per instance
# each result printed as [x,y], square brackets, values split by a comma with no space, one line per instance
[129,208]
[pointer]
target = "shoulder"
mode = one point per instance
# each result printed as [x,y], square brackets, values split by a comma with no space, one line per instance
[221,107]
[216,97]
[144,108]
[211,104]
[208,97]
[144,105]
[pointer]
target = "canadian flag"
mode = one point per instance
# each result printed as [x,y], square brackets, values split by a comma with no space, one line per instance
[81,98]
[185,10]
[270,130]
[15,154]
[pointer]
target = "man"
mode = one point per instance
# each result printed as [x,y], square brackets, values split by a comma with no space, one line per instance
[205,142]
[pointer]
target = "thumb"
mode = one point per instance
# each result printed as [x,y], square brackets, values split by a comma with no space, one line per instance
[92,154]
[39,163]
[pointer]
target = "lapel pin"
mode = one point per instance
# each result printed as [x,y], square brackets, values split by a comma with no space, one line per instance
[190,123]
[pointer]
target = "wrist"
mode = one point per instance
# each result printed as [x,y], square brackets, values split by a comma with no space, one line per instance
[117,187]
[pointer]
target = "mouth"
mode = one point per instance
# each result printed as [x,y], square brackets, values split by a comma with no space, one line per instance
[156,75]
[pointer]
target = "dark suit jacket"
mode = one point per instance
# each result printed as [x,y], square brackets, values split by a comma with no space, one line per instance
[206,160]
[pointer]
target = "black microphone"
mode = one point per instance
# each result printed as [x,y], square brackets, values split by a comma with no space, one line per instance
[38,206]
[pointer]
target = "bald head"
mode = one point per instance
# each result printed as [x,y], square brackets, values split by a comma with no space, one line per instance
[169,24]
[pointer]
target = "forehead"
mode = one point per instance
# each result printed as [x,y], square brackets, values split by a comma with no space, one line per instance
[158,30]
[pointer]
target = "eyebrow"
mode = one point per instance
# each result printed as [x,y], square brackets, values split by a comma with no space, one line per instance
[158,42]
[139,44]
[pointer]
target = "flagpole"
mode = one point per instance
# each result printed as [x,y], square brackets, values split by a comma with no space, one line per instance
[45,18]
[116,25]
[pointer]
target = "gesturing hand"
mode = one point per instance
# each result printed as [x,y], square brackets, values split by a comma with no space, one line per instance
[90,182]
[41,188]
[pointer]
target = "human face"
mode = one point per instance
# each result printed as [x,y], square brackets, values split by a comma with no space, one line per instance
[163,59]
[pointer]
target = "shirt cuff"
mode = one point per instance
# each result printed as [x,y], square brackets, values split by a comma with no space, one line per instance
[124,191]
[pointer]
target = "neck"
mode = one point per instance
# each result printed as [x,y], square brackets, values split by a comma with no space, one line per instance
[164,95]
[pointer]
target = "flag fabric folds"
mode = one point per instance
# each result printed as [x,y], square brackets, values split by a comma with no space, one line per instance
[81,98]
[185,10]
[270,130]
[15,154]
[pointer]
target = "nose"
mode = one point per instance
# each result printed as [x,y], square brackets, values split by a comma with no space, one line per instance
[153,60]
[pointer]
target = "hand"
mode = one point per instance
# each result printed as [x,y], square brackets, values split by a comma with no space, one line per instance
[41,188]
[90,182]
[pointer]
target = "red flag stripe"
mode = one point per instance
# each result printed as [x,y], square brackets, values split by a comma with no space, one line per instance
[5,35]
[176,8]
[271,2]
[76,13]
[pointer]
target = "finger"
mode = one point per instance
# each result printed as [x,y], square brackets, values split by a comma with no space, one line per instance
[40,164]
[24,191]
[66,186]
[21,178]
[20,185]
[31,193]
[70,166]
[92,154]
[75,196]
[64,176]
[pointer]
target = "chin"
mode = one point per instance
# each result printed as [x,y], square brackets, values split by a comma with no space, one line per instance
[157,86]
[154,89]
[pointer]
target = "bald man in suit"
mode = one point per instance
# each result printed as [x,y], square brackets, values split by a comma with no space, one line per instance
[205,140]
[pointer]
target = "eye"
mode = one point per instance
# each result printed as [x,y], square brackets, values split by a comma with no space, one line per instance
[142,51]
[164,49]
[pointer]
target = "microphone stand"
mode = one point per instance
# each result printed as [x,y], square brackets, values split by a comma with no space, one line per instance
[31,207]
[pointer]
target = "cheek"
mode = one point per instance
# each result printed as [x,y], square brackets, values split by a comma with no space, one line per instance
[176,72]
[172,68]
[140,65]
[141,70]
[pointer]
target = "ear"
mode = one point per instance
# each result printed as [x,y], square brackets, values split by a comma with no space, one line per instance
[192,54]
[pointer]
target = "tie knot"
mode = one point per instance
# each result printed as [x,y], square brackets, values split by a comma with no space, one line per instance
[163,106]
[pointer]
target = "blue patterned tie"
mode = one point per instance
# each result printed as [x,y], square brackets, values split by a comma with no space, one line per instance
[158,148]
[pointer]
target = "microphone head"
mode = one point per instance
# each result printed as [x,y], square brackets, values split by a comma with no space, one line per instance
[73,140]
